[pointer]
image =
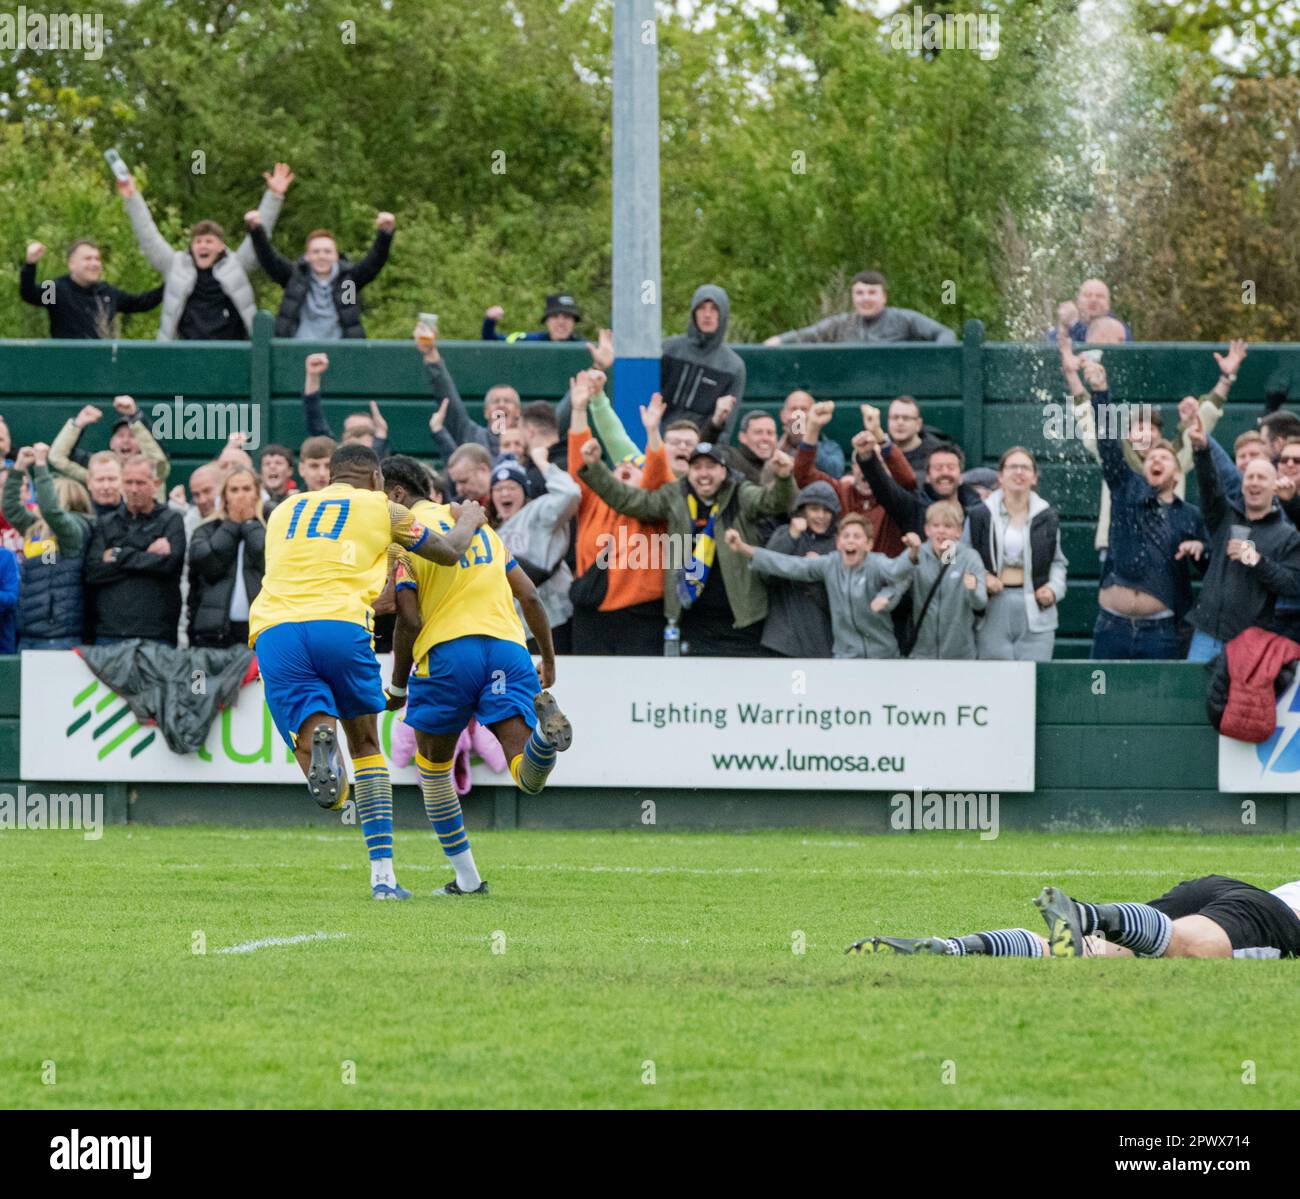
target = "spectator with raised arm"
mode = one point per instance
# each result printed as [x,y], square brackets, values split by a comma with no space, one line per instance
[855,494]
[862,587]
[1254,554]
[829,458]
[707,587]
[451,423]
[130,436]
[207,293]
[227,561]
[538,429]
[698,368]
[80,304]
[134,563]
[370,430]
[1017,535]
[55,534]
[872,320]
[617,594]
[322,290]
[559,319]
[907,508]
[1146,585]
[1144,422]
[1074,318]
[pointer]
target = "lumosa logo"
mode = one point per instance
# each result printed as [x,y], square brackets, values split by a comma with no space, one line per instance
[94,708]
[1280,754]
[111,727]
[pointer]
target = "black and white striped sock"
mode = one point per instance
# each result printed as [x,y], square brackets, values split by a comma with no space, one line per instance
[1137,926]
[1002,943]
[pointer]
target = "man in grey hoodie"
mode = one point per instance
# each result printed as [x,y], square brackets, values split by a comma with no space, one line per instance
[207,294]
[871,320]
[862,587]
[697,369]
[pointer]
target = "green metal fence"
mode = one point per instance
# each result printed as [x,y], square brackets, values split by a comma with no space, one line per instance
[988,395]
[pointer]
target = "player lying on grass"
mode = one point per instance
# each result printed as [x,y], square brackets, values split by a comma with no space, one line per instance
[1210,917]
[457,625]
[312,623]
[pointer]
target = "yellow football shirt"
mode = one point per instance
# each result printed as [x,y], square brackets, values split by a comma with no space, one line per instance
[470,599]
[327,556]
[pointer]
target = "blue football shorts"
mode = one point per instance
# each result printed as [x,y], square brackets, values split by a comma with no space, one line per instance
[318,666]
[480,677]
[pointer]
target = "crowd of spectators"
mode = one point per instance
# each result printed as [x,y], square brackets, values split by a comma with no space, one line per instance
[734,532]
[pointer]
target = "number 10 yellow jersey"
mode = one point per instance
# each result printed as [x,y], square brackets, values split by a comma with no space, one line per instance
[327,555]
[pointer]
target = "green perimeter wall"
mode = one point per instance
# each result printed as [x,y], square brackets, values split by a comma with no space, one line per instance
[1140,755]
[989,395]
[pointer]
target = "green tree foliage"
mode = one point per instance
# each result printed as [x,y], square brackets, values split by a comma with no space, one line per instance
[798,146]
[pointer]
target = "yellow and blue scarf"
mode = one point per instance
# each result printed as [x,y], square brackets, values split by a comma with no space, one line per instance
[691,583]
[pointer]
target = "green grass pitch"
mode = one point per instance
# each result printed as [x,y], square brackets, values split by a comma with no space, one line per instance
[631,969]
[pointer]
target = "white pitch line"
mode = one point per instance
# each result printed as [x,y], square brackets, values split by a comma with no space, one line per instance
[264,942]
[869,870]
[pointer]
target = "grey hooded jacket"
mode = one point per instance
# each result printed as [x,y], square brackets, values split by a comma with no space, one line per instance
[180,274]
[858,632]
[697,369]
[948,630]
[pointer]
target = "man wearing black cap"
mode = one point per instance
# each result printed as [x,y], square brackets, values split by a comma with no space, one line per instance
[130,436]
[708,587]
[560,317]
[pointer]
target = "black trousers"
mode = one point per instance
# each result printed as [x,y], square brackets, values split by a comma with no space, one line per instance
[636,631]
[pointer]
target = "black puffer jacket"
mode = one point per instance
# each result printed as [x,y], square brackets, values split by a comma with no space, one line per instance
[295,278]
[214,557]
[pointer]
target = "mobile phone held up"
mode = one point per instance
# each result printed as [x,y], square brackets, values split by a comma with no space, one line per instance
[117,166]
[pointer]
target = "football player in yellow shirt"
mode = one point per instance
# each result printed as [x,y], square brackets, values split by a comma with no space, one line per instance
[459,627]
[327,555]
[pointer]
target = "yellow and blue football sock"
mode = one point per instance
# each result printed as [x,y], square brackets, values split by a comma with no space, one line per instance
[373,791]
[533,767]
[442,806]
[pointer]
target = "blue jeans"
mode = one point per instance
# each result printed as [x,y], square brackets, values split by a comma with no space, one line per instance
[48,643]
[1204,648]
[1119,639]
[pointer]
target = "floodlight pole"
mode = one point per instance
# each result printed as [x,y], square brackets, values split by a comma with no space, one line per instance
[637,325]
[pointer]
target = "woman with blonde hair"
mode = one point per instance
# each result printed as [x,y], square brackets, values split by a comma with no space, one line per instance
[1018,535]
[51,608]
[227,561]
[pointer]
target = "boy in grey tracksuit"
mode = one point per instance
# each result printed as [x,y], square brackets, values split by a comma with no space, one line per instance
[947,629]
[862,587]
